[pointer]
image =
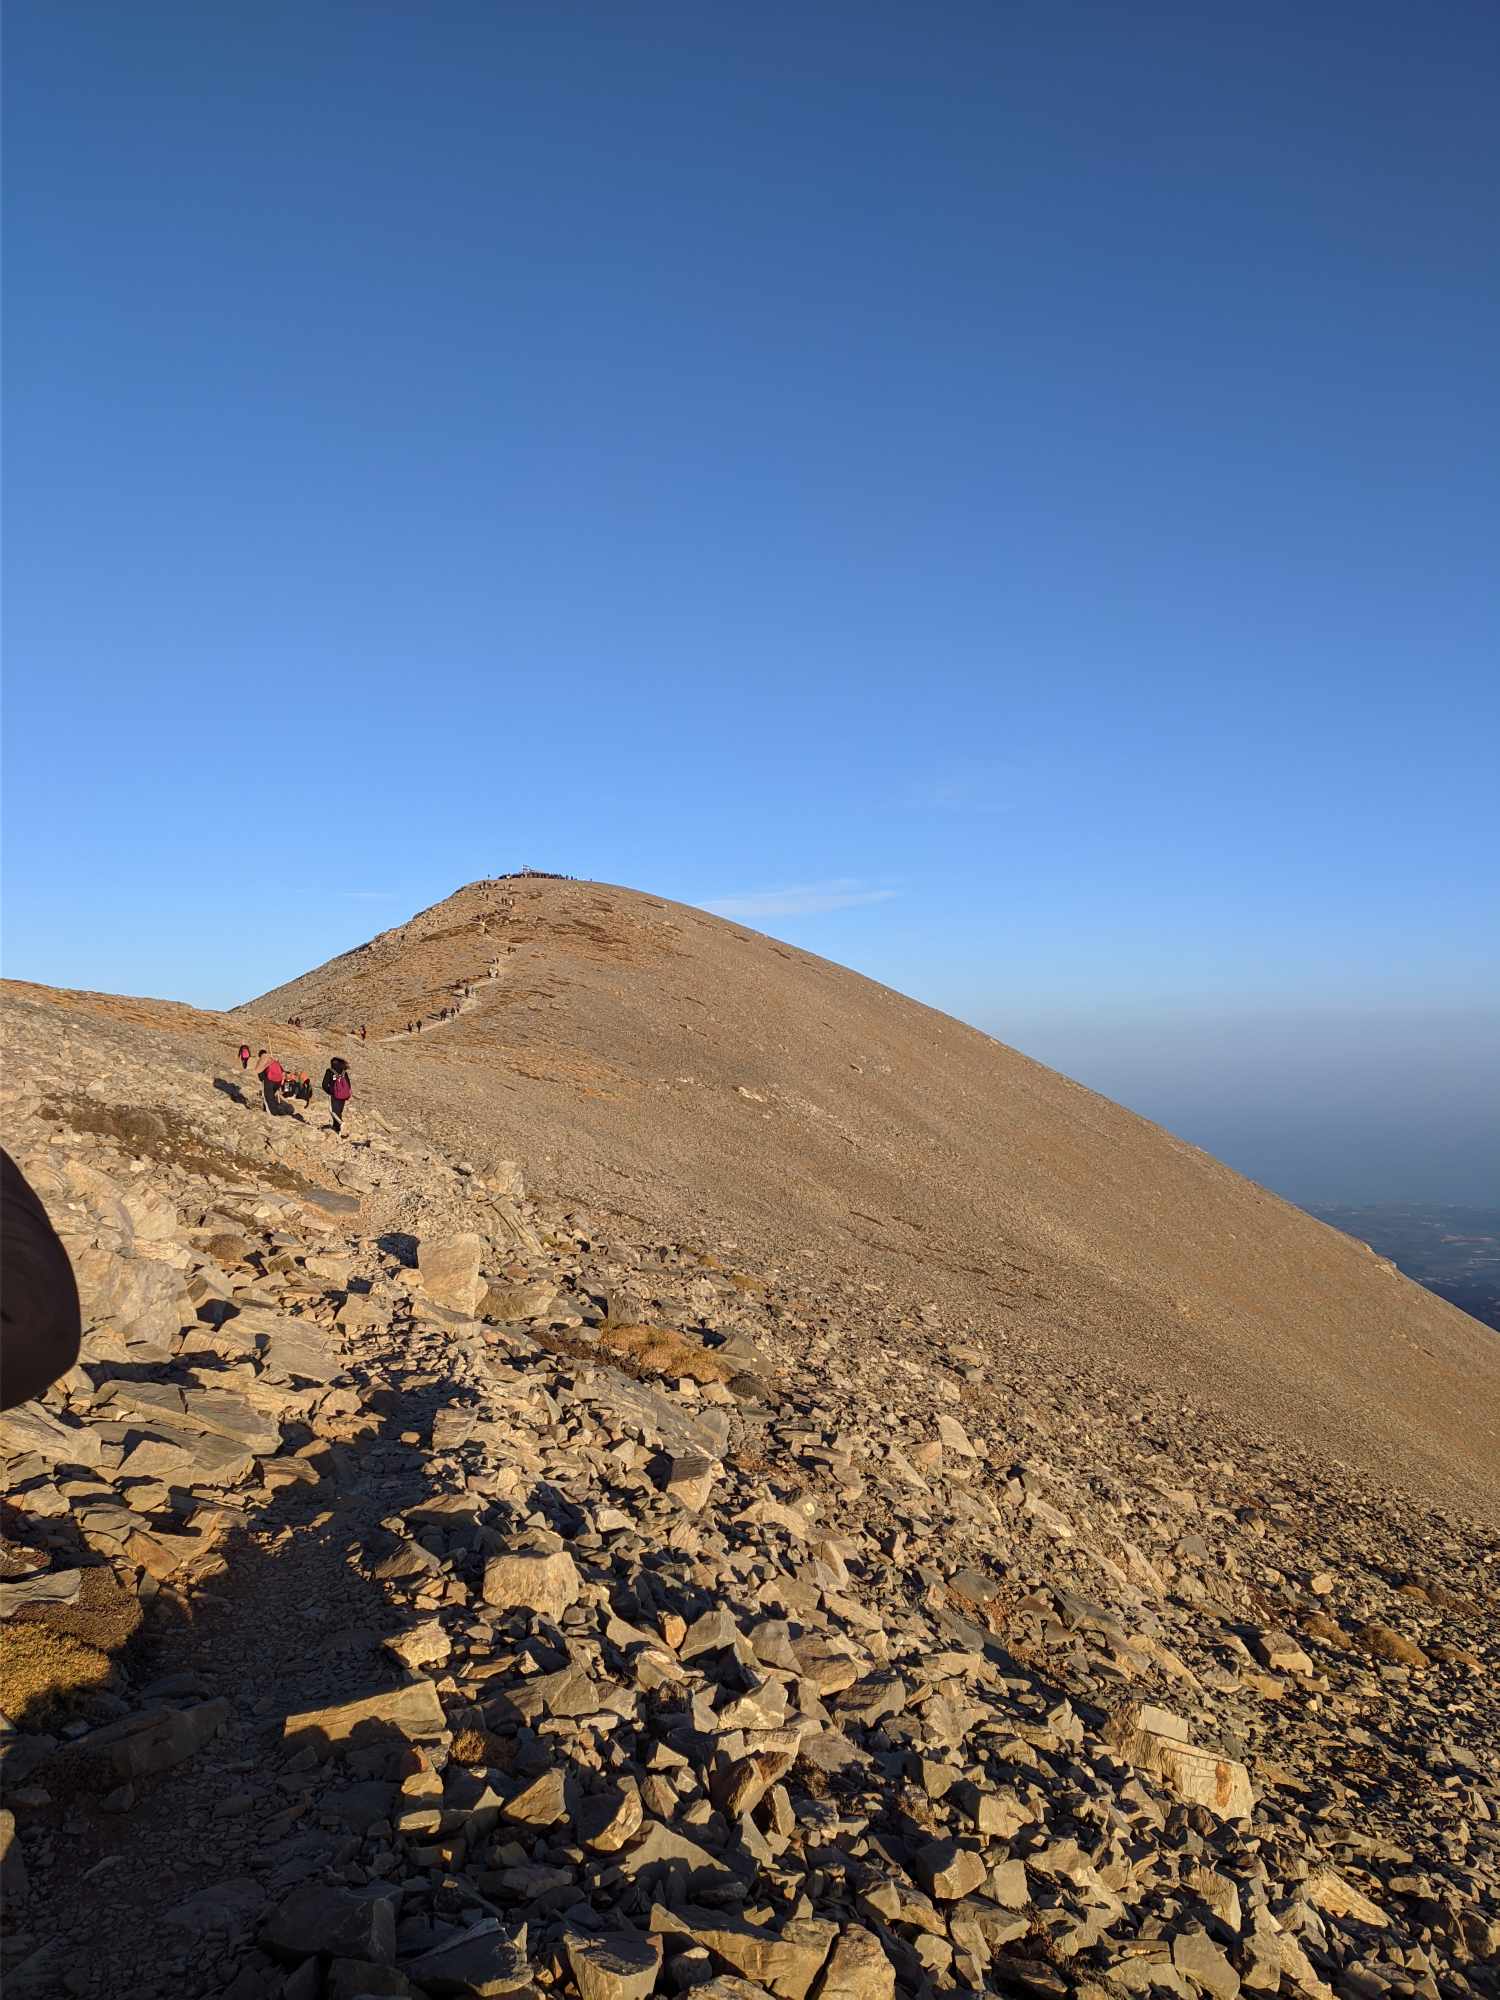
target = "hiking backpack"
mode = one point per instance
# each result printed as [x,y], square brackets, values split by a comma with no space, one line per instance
[343,1089]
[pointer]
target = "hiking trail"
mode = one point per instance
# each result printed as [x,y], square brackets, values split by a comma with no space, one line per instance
[467,1005]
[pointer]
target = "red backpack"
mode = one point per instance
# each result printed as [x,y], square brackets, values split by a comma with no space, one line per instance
[343,1089]
[273,1072]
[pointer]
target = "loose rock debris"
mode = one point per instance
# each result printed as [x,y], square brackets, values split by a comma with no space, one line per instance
[468,1655]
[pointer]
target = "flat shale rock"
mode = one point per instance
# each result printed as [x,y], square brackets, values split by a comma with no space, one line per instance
[858,1968]
[142,1745]
[214,1411]
[1195,1954]
[1326,1888]
[31,1428]
[619,1966]
[518,1302]
[608,1820]
[785,1961]
[948,1871]
[13,1879]
[485,1959]
[1156,1740]
[296,1349]
[223,1909]
[347,1923]
[408,1714]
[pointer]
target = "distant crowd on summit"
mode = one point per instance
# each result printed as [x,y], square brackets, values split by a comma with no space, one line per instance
[530,875]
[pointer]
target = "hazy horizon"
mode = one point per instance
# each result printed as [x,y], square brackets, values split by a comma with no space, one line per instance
[1326,1108]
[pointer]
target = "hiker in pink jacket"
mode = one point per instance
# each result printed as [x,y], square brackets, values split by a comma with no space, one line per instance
[339,1088]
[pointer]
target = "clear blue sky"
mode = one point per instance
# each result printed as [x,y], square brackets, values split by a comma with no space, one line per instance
[1005,495]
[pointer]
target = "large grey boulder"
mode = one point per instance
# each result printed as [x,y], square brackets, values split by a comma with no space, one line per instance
[545,1584]
[858,1969]
[449,1270]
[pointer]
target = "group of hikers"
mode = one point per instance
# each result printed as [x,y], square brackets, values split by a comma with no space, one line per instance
[414,1027]
[277,1082]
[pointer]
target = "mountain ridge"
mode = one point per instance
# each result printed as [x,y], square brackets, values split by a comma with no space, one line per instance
[802,1103]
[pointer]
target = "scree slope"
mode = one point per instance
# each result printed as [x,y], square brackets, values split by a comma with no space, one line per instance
[694,1072]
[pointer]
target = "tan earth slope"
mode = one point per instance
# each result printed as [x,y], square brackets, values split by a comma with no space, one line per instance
[687,1070]
[427,1585]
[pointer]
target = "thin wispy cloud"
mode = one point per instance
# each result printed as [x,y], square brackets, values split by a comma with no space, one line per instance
[369,895]
[800,899]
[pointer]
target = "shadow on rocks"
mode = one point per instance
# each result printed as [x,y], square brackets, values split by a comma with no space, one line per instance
[160,1842]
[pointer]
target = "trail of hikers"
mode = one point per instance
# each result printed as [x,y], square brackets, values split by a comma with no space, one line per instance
[465,1000]
[283,1089]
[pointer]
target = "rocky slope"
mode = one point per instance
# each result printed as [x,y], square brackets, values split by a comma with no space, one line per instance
[661,1061]
[422,1588]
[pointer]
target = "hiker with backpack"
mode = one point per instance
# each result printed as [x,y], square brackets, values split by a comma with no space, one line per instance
[244,1055]
[339,1088]
[272,1076]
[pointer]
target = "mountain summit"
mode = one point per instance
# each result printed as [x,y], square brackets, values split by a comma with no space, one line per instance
[715,1479]
[692,1072]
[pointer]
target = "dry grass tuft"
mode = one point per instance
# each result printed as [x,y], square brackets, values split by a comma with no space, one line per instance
[750,1463]
[152,1132]
[50,1655]
[483,1747]
[103,1614]
[648,1353]
[42,1670]
[661,1351]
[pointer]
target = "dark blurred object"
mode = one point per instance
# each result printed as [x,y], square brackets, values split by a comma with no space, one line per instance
[40,1321]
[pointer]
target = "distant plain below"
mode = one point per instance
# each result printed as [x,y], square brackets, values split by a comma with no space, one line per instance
[1452,1250]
